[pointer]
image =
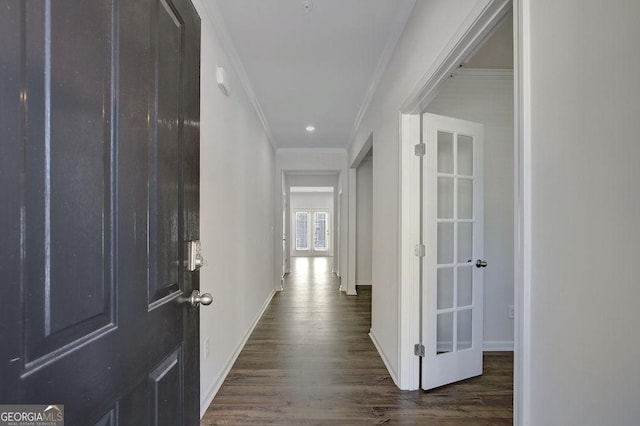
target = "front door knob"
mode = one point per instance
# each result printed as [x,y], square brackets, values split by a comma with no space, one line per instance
[481,264]
[196,299]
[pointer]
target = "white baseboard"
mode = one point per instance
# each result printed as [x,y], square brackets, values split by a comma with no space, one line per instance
[363,282]
[497,346]
[384,357]
[217,383]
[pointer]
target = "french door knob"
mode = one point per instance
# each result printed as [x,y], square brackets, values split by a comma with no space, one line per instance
[196,299]
[481,264]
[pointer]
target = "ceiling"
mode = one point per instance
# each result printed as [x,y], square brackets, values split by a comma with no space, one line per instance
[311,63]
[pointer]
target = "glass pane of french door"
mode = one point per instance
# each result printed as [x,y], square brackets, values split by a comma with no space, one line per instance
[320,231]
[302,230]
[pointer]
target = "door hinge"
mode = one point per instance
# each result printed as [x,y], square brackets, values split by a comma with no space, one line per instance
[419,250]
[420,149]
[418,350]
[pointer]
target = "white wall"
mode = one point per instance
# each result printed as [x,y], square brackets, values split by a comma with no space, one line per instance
[312,201]
[487,97]
[237,194]
[585,204]
[364,220]
[430,27]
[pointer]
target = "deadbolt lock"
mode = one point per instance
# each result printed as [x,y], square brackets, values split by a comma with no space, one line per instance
[195,260]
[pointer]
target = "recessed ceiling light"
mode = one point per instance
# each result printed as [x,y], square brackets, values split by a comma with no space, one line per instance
[307,6]
[310,128]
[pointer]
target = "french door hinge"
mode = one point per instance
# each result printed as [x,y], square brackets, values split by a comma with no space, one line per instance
[420,149]
[419,250]
[418,350]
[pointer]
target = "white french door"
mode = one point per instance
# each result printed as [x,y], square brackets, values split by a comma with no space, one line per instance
[311,230]
[453,237]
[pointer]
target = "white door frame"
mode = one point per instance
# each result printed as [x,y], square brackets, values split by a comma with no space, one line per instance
[476,28]
[351,269]
[353,218]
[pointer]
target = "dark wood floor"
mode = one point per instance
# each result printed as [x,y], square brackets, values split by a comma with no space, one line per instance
[310,361]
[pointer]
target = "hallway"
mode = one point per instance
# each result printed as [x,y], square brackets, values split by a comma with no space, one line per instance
[310,361]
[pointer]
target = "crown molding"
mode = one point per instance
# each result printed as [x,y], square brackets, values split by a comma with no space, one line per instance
[341,151]
[483,73]
[213,13]
[385,57]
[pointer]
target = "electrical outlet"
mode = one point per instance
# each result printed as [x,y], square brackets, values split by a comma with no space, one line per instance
[512,312]
[206,348]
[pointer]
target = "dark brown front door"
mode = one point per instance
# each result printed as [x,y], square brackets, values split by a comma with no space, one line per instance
[99,169]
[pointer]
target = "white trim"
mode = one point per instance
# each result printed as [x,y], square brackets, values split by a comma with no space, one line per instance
[351,263]
[352,216]
[397,27]
[343,182]
[483,73]
[314,150]
[477,25]
[497,346]
[364,151]
[523,211]
[385,360]
[217,383]
[213,12]
[363,283]
[311,189]
[409,273]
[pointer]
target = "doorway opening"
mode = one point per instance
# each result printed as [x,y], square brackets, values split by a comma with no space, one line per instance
[364,221]
[474,82]
[311,215]
[480,91]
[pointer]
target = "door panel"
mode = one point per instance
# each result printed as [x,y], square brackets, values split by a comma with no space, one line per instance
[67,202]
[166,406]
[453,235]
[100,113]
[165,153]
